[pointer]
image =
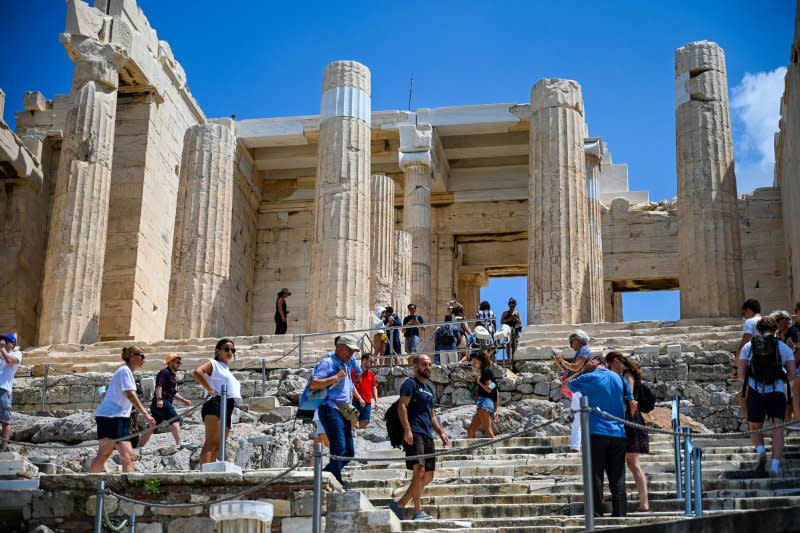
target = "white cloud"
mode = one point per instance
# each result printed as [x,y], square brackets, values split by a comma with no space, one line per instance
[756,110]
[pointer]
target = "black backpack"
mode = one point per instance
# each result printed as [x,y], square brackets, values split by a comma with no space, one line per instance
[765,360]
[645,398]
[445,335]
[393,426]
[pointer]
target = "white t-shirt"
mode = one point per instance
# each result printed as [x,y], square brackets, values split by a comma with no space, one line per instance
[116,403]
[779,386]
[749,327]
[7,371]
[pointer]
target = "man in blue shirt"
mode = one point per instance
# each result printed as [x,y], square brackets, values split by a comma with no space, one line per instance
[333,373]
[608,391]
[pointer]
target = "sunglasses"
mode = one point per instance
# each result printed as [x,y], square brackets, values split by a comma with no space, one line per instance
[230,350]
[140,355]
[179,363]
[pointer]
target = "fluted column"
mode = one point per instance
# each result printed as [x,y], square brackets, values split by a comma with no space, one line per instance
[339,274]
[594,292]
[559,224]
[416,162]
[401,277]
[79,220]
[708,215]
[202,244]
[382,243]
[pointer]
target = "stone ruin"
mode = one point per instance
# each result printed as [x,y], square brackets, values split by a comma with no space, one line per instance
[130,215]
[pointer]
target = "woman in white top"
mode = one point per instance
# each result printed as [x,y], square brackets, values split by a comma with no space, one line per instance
[212,375]
[113,413]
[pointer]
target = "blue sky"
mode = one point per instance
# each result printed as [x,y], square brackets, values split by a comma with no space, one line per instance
[257,59]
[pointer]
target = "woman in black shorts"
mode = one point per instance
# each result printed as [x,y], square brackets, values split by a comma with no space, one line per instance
[638,439]
[212,375]
[113,413]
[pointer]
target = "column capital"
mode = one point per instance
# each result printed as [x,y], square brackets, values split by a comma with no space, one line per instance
[416,142]
[94,60]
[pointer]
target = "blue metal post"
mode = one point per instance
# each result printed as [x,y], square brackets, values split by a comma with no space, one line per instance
[586,453]
[697,455]
[676,440]
[687,460]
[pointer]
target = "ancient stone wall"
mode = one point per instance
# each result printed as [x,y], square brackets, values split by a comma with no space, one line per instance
[787,162]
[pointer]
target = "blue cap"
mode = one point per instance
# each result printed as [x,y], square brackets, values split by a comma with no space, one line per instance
[10,338]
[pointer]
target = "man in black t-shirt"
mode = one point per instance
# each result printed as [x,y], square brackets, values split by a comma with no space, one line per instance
[419,421]
[412,333]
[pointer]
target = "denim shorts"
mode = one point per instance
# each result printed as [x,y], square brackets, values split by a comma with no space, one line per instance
[364,413]
[485,403]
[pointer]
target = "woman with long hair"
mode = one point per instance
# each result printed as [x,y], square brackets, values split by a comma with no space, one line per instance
[114,413]
[487,398]
[212,375]
[638,439]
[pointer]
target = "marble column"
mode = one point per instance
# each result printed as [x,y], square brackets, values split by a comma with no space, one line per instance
[79,220]
[339,274]
[401,277]
[416,163]
[202,244]
[559,220]
[469,292]
[382,242]
[708,216]
[594,292]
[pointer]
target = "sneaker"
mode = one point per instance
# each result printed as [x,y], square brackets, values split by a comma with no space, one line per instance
[422,515]
[397,510]
[775,473]
[761,465]
[188,445]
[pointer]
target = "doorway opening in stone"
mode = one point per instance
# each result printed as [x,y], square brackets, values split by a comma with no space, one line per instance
[651,305]
[500,289]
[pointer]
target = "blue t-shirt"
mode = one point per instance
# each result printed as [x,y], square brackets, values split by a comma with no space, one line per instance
[608,391]
[583,353]
[446,330]
[420,408]
[341,392]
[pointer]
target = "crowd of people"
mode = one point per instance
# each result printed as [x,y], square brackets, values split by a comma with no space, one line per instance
[766,362]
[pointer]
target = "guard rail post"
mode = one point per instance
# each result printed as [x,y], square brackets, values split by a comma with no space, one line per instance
[697,456]
[687,469]
[98,509]
[223,416]
[316,522]
[132,523]
[676,440]
[300,351]
[44,385]
[586,453]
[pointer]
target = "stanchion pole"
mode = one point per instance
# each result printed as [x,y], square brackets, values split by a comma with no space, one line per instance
[697,455]
[300,351]
[44,385]
[263,376]
[687,460]
[586,453]
[223,416]
[98,509]
[132,523]
[676,440]
[316,525]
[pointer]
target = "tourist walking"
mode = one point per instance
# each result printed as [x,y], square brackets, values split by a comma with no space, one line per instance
[412,333]
[512,319]
[445,342]
[212,376]
[638,440]
[609,392]
[379,338]
[10,359]
[766,364]
[465,339]
[114,413]
[789,333]
[366,391]
[485,317]
[165,393]
[332,373]
[416,413]
[281,310]
[392,320]
[579,342]
[487,400]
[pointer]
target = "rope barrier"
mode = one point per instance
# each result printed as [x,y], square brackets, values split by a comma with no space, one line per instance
[452,451]
[737,434]
[93,443]
[235,496]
